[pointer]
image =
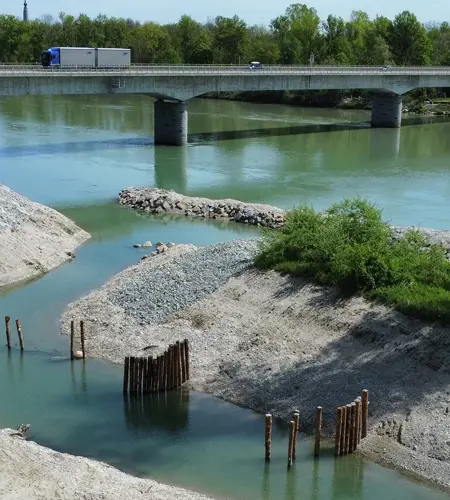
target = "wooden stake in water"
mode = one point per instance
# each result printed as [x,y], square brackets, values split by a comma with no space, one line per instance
[268,435]
[365,412]
[297,427]
[8,333]
[125,374]
[83,351]
[186,353]
[348,423]
[337,441]
[343,451]
[72,334]
[19,334]
[318,431]
[352,427]
[291,441]
[356,439]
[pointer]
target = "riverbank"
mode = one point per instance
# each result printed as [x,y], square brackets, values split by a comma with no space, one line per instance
[29,471]
[33,238]
[274,343]
[345,99]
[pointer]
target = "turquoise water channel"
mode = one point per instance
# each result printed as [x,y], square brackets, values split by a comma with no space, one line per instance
[76,154]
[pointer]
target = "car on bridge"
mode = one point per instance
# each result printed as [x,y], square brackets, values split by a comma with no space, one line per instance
[254,65]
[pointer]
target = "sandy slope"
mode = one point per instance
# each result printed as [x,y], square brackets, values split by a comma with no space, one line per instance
[33,238]
[31,472]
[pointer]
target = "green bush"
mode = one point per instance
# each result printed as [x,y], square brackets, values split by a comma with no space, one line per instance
[351,247]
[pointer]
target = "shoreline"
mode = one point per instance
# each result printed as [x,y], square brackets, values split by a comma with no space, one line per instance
[328,351]
[34,238]
[33,472]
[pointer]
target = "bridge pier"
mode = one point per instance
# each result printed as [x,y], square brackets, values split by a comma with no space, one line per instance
[170,123]
[387,110]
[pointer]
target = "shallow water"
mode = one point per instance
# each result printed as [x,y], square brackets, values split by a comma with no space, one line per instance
[76,155]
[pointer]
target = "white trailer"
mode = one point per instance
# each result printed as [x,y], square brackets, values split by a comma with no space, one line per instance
[113,58]
[77,56]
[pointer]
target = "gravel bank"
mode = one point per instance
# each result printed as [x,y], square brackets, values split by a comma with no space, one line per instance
[33,238]
[153,200]
[274,343]
[31,472]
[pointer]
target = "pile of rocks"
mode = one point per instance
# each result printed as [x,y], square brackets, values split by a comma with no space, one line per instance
[153,200]
[160,248]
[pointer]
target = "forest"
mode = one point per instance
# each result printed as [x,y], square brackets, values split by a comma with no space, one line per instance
[291,38]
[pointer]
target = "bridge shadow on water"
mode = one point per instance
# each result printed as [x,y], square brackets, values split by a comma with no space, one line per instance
[71,147]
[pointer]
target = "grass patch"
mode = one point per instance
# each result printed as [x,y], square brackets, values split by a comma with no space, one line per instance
[350,246]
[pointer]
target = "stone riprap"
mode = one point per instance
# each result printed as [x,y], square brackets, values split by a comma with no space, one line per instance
[153,200]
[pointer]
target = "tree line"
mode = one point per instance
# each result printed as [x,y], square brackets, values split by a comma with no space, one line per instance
[291,38]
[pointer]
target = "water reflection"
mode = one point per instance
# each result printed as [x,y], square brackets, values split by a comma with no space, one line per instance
[164,410]
[385,143]
[171,165]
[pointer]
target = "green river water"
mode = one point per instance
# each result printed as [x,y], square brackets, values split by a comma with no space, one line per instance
[75,154]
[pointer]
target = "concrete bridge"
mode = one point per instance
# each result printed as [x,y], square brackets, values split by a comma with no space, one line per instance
[174,85]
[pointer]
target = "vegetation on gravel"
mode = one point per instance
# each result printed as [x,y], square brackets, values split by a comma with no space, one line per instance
[350,246]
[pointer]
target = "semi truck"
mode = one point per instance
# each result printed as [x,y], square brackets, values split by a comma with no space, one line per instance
[86,57]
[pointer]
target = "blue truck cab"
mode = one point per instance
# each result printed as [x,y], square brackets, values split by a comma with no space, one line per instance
[50,57]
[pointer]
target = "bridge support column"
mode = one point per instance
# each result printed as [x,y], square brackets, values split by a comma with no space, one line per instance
[387,110]
[170,123]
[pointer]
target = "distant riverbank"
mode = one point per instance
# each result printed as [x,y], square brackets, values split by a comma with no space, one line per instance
[332,99]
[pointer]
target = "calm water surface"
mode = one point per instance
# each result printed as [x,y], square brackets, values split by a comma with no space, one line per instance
[76,154]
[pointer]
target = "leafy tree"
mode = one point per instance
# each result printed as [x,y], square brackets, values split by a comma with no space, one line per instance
[230,38]
[409,40]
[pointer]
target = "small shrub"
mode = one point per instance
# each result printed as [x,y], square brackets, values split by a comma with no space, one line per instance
[351,247]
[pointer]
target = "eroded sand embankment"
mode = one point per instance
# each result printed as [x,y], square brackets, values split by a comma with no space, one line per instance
[29,471]
[33,238]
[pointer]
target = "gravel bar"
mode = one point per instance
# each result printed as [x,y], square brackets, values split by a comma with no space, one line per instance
[33,238]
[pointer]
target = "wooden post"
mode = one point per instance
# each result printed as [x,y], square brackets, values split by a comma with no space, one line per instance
[268,435]
[297,427]
[72,334]
[19,334]
[160,372]
[337,440]
[138,374]
[169,368]
[178,363]
[318,431]
[8,333]
[165,370]
[82,339]
[347,430]
[352,427]
[356,440]
[365,412]
[186,354]
[291,441]
[132,376]
[343,451]
[145,377]
[174,366]
[153,384]
[125,374]
[183,361]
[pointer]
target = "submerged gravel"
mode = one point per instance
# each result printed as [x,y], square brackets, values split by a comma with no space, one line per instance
[152,297]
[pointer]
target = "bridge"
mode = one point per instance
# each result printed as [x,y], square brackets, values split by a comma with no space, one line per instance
[174,85]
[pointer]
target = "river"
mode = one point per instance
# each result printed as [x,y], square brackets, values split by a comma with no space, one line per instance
[75,154]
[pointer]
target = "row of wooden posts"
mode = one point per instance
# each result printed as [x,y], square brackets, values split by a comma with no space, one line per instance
[151,374]
[8,333]
[351,427]
[351,424]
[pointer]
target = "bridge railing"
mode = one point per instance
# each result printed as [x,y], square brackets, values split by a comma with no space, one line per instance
[227,69]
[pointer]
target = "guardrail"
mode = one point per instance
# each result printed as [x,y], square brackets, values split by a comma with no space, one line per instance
[30,69]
